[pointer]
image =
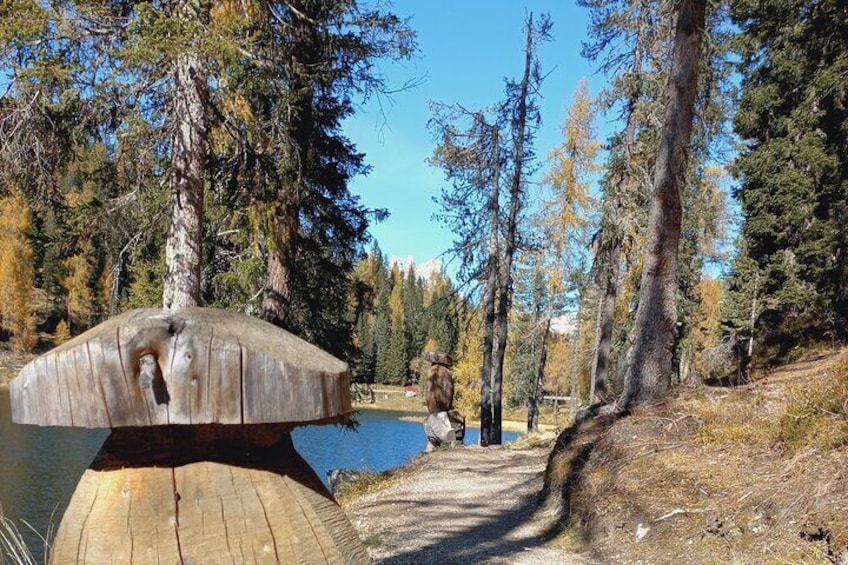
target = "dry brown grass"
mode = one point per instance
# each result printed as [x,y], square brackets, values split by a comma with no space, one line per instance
[752,475]
[817,412]
[364,484]
[13,547]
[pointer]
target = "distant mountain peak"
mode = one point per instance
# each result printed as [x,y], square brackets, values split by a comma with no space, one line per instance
[424,269]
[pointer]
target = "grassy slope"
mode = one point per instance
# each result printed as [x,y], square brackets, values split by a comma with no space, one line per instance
[756,474]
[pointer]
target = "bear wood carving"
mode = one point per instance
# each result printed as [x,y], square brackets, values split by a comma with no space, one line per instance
[439,389]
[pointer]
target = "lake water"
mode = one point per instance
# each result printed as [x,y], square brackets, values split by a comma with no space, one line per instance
[40,467]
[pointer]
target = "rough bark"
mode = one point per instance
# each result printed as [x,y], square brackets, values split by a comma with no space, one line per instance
[510,240]
[285,221]
[609,297]
[184,243]
[536,399]
[607,317]
[593,369]
[650,358]
[489,300]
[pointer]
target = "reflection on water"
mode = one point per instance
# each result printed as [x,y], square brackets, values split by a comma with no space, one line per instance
[40,467]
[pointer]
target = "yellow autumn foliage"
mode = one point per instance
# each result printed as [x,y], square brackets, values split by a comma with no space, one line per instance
[76,283]
[572,165]
[707,320]
[17,278]
[558,367]
[62,333]
[105,284]
[468,367]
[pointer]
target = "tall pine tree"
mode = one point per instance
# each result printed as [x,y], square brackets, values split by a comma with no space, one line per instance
[793,169]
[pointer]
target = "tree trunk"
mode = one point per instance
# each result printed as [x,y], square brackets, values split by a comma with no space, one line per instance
[489,300]
[536,399]
[746,363]
[188,164]
[510,237]
[284,226]
[574,371]
[650,358]
[259,504]
[277,295]
[610,294]
[117,286]
[593,369]
[605,333]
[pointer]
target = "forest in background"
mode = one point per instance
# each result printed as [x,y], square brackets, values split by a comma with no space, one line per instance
[87,148]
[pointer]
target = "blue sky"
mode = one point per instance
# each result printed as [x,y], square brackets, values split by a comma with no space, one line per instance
[467,48]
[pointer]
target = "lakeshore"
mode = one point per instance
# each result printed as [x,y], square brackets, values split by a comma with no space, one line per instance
[393,398]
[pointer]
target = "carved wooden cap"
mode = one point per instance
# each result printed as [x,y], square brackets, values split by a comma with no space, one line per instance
[155,367]
[438,358]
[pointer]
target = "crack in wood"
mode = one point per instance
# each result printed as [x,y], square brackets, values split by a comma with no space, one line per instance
[174,349]
[124,370]
[241,381]
[209,372]
[177,515]
[67,390]
[226,531]
[82,526]
[129,522]
[265,513]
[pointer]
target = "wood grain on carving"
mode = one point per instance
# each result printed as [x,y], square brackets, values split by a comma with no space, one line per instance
[205,512]
[205,366]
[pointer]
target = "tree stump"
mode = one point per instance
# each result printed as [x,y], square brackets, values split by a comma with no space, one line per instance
[199,467]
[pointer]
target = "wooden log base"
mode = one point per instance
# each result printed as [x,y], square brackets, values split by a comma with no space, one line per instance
[271,508]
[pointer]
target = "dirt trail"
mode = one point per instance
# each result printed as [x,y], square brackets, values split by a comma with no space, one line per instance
[470,505]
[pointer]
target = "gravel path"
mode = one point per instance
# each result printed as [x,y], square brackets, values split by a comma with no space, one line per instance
[470,505]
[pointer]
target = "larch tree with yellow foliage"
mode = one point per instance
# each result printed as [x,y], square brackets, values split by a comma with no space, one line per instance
[567,216]
[555,271]
[77,283]
[17,277]
[706,326]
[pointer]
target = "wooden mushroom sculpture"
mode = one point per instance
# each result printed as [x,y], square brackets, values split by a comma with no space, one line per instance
[199,466]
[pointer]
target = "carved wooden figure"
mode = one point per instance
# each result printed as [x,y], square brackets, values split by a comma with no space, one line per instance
[444,425]
[439,389]
[199,467]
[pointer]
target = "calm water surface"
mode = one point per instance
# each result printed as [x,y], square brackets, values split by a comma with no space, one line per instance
[40,467]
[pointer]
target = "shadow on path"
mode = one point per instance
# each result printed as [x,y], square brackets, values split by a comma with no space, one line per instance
[490,540]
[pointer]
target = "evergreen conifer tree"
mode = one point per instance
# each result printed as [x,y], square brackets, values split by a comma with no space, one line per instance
[793,169]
